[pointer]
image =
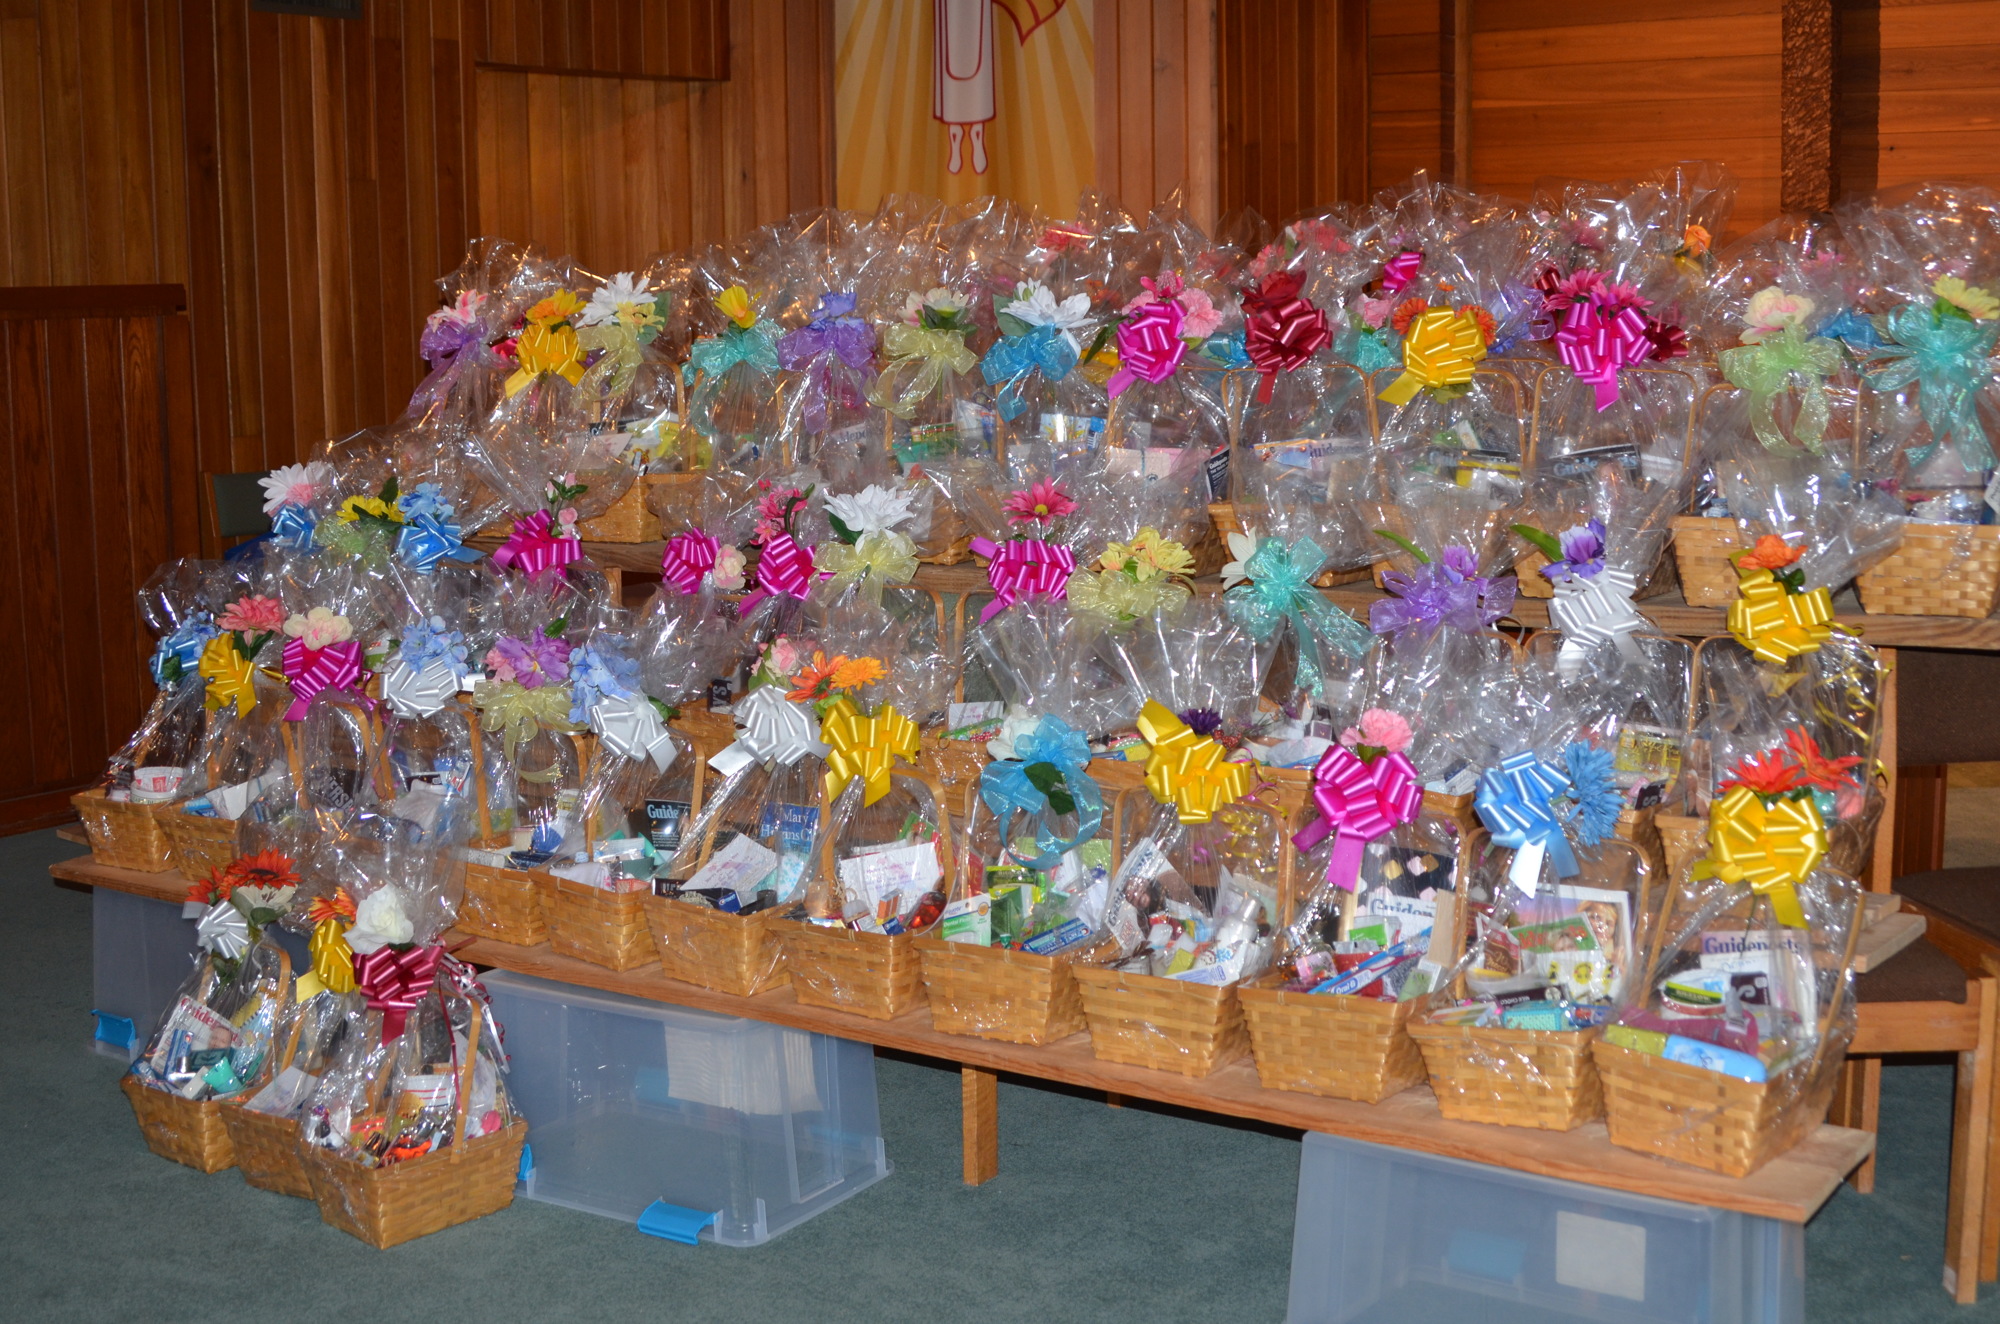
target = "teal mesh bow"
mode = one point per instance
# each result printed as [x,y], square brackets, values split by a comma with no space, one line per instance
[1007,785]
[1946,357]
[1764,370]
[1280,590]
[1012,358]
[712,357]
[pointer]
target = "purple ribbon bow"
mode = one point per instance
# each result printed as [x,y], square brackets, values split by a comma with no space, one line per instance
[531,548]
[783,569]
[310,670]
[1357,802]
[1023,566]
[834,335]
[688,556]
[1438,595]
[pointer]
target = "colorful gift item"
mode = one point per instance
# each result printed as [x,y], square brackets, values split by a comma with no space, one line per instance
[532,548]
[1440,351]
[772,729]
[784,566]
[833,336]
[1514,801]
[923,352]
[1281,330]
[1186,769]
[1945,351]
[1038,333]
[394,980]
[230,676]
[547,343]
[1766,828]
[1592,603]
[320,656]
[1049,771]
[622,317]
[868,550]
[1361,793]
[1776,617]
[746,342]
[1134,579]
[1767,367]
[865,747]
[1602,328]
[1022,567]
[1279,589]
[1447,591]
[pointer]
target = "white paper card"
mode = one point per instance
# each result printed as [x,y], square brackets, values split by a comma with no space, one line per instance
[901,874]
[739,867]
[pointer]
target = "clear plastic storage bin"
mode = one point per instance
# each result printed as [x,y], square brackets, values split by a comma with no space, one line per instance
[140,951]
[1386,1234]
[630,1102]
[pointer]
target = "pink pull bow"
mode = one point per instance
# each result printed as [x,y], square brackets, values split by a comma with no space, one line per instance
[1358,802]
[1023,566]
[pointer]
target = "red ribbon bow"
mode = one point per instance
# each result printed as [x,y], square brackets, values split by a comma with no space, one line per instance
[1595,343]
[394,982]
[1022,566]
[1358,802]
[1281,331]
[310,670]
[531,549]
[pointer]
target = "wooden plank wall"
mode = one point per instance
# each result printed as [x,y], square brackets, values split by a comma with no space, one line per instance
[1290,83]
[95,423]
[613,170]
[1156,103]
[625,38]
[1409,90]
[1918,93]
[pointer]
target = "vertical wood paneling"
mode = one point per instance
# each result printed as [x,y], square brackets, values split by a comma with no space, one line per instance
[1157,103]
[1409,89]
[1292,105]
[608,38]
[1919,99]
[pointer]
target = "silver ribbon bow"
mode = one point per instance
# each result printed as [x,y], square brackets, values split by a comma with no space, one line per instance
[774,729]
[1594,611]
[411,692]
[224,931]
[630,726]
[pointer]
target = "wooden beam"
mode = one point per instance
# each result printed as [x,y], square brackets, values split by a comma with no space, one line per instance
[979,1102]
[1809,168]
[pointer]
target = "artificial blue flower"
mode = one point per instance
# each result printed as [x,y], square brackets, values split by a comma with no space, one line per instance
[1599,802]
[597,671]
[429,641]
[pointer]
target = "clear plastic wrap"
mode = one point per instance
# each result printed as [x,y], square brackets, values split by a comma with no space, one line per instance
[1305,466]
[214,1040]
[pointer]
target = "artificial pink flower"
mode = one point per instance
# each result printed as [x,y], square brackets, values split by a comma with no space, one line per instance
[1043,501]
[1375,312]
[252,615]
[1203,319]
[1380,729]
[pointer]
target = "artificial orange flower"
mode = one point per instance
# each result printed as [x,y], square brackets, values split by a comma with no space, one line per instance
[1766,774]
[1408,311]
[853,673]
[558,307]
[1770,553]
[1482,317]
[339,906]
[216,887]
[1815,768]
[269,868]
[841,672]
[1696,240]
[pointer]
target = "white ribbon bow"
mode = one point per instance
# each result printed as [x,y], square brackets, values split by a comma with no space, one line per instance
[631,727]
[413,693]
[224,931]
[1593,611]
[775,729]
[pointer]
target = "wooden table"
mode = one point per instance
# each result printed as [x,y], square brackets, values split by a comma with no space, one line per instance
[1790,1188]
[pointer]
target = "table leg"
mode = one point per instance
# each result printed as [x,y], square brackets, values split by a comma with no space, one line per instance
[1971,1129]
[1113,1100]
[980,1102]
[1989,1222]
[1857,1102]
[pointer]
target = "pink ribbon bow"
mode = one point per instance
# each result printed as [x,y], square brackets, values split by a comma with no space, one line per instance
[687,558]
[1358,802]
[1594,344]
[783,569]
[1149,345]
[531,549]
[1023,566]
[310,670]
[1401,269]
[394,982]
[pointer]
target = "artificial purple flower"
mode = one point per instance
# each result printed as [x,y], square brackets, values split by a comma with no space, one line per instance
[1459,563]
[531,663]
[1582,552]
[833,304]
[1202,721]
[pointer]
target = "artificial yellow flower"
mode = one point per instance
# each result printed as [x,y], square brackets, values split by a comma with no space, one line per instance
[355,507]
[1973,301]
[735,305]
[1158,555]
[558,307]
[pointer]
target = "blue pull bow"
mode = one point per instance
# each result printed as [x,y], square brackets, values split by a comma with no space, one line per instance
[1005,788]
[1514,804]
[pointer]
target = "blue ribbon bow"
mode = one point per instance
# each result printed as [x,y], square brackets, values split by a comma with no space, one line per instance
[1012,358]
[1948,358]
[1514,804]
[713,356]
[293,526]
[184,646]
[1005,787]
[426,540]
[1280,590]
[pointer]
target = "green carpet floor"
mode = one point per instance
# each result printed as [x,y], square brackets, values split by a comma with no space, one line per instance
[1098,1214]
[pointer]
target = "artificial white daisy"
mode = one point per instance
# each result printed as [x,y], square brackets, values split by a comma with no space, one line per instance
[1037,306]
[874,508]
[1241,547]
[297,484]
[624,296]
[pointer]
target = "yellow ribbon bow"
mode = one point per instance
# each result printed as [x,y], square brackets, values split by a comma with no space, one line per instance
[1774,624]
[1098,367]
[231,677]
[332,958]
[1439,350]
[1188,771]
[926,352]
[1773,847]
[864,747]
[510,707]
[877,557]
[548,343]
[614,372]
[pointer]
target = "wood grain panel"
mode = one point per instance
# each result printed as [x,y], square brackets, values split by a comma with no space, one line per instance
[663,39]
[1157,103]
[1292,97]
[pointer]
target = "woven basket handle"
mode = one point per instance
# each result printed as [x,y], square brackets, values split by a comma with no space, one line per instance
[463,1107]
[478,771]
